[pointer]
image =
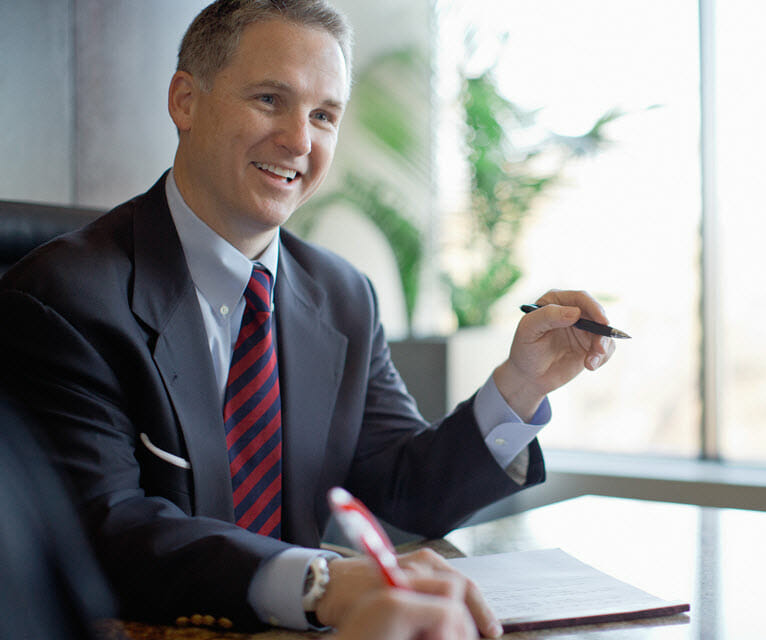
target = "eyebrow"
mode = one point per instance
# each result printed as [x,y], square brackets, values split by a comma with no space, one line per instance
[283,86]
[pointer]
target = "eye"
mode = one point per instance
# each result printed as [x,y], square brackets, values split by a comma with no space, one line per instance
[266,98]
[324,117]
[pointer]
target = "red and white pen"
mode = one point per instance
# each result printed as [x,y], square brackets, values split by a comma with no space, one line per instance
[366,535]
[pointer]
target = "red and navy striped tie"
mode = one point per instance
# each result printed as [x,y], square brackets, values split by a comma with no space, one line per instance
[252,415]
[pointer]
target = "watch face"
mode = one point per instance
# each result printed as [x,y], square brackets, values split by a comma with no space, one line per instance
[309,581]
[315,585]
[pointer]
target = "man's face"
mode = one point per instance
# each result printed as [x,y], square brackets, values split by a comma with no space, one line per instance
[261,141]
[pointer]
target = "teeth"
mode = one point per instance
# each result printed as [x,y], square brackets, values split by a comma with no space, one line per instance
[289,174]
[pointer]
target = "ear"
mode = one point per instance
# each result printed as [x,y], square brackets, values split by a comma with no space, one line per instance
[181,97]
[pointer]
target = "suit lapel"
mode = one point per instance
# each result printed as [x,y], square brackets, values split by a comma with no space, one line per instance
[165,299]
[311,360]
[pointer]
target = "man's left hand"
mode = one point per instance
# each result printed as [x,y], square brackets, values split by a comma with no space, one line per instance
[547,351]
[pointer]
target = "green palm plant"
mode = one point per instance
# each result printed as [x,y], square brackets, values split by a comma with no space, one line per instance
[505,181]
[505,186]
[383,111]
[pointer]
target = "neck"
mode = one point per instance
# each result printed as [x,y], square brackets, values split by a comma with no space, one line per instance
[251,242]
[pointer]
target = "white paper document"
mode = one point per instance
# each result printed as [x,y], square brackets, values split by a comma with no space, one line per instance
[550,588]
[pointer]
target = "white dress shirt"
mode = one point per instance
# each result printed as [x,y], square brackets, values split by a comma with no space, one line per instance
[220,274]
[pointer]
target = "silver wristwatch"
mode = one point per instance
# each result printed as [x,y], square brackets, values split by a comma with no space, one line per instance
[315,585]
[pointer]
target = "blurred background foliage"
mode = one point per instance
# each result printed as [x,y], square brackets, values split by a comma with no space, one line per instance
[508,176]
[382,108]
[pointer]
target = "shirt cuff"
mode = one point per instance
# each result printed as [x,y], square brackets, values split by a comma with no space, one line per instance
[276,592]
[504,432]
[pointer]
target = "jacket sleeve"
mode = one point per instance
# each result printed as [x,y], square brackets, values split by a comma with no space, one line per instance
[424,478]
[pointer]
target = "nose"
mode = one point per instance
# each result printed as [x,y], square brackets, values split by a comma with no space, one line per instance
[295,134]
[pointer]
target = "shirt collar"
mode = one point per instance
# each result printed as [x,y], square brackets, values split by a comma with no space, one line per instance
[219,270]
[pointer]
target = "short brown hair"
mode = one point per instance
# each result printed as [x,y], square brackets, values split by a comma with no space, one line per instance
[214,34]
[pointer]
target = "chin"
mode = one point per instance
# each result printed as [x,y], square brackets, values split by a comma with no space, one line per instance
[266,221]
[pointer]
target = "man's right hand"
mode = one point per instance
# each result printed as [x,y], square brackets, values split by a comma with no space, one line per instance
[435,610]
[353,579]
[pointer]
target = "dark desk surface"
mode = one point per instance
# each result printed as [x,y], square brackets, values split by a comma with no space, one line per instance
[712,558]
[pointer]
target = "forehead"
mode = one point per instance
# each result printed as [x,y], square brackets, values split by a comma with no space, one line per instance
[284,52]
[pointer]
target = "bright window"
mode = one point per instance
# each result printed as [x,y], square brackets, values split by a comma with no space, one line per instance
[625,222]
[741,167]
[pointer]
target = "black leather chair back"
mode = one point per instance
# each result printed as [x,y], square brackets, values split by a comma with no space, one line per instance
[26,225]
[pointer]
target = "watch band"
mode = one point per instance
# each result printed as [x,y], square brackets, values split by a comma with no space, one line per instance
[317,579]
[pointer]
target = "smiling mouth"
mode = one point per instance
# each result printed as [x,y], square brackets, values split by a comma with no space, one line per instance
[287,174]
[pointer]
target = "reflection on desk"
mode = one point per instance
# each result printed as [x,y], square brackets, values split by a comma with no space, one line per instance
[121,630]
[711,558]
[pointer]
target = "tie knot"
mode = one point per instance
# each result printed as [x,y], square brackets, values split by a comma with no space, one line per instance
[258,290]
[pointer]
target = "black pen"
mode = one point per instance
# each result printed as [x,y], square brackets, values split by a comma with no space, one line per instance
[586,325]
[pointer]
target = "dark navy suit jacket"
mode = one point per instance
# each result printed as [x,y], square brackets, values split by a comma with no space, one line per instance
[105,340]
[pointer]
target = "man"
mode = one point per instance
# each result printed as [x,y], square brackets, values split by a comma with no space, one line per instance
[200,435]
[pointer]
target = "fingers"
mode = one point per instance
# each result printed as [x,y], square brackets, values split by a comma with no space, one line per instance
[407,615]
[442,584]
[425,564]
[453,599]
[560,310]
[485,619]
[550,316]
[582,300]
[564,308]
[435,617]
[601,350]
[353,578]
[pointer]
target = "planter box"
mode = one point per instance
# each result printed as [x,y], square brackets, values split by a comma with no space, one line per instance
[422,363]
[444,370]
